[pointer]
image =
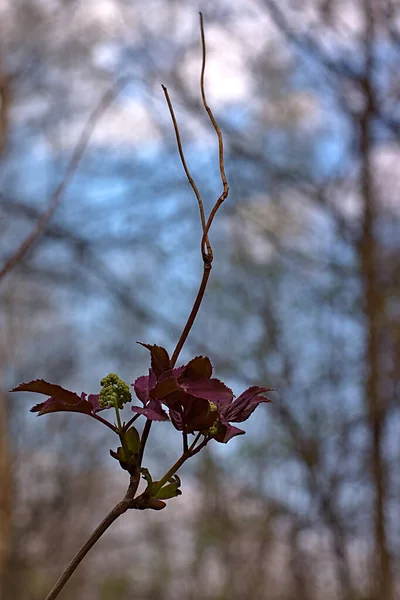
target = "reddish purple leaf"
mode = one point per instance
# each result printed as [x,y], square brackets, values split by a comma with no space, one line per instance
[196,401]
[176,418]
[40,386]
[60,400]
[176,372]
[56,405]
[190,413]
[152,411]
[197,415]
[160,361]
[245,404]
[227,432]
[93,399]
[143,385]
[198,368]
[212,389]
[165,387]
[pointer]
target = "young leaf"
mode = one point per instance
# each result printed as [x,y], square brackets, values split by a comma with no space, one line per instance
[152,411]
[120,456]
[132,439]
[212,389]
[198,368]
[60,400]
[145,473]
[171,489]
[160,361]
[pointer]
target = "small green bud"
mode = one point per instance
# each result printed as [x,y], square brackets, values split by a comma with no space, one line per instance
[213,406]
[170,490]
[214,429]
[145,473]
[132,439]
[115,392]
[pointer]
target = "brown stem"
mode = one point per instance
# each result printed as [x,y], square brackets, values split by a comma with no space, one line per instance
[211,217]
[186,168]
[105,422]
[142,502]
[183,458]
[206,249]
[175,467]
[118,510]
[203,444]
[185,441]
[221,160]
[143,441]
[193,313]
[210,113]
[130,422]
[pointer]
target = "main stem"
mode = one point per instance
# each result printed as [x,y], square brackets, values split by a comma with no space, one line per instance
[118,510]
[182,340]
[121,434]
[129,500]
[193,313]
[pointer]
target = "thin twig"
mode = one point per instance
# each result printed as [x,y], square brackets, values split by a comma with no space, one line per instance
[196,439]
[55,199]
[210,113]
[211,216]
[143,441]
[142,502]
[185,441]
[206,249]
[200,446]
[183,458]
[126,426]
[221,160]
[105,422]
[186,168]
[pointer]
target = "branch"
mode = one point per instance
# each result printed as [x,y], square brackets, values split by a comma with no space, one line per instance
[184,164]
[206,249]
[225,186]
[118,510]
[144,500]
[193,313]
[55,199]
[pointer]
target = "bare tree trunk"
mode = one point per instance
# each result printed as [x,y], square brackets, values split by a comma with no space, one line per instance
[5,497]
[299,567]
[4,106]
[5,462]
[372,308]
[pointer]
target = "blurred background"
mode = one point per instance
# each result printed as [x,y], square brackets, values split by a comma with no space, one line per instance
[304,294]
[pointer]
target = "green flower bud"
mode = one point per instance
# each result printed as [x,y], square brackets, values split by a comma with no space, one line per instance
[214,429]
[115,392]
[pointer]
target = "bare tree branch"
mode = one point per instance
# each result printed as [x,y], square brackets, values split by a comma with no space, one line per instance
[56,197]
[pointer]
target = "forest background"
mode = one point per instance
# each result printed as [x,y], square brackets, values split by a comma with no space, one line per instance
[304,294]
